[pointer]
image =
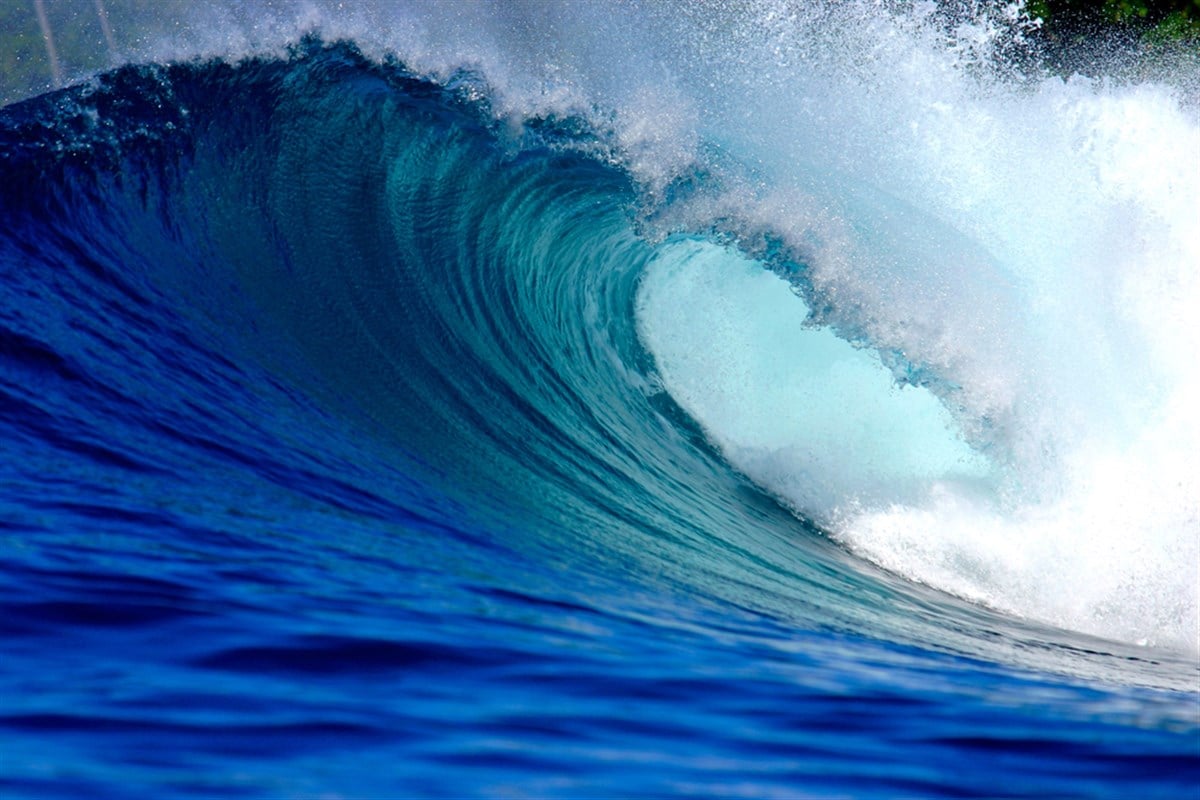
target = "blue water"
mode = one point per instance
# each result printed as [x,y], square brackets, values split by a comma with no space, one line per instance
[345,453]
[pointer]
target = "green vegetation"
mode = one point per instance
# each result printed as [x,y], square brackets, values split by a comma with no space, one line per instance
[1150,20]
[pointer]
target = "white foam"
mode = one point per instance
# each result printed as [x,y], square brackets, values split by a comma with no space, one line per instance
[1035,243]
[1072,337]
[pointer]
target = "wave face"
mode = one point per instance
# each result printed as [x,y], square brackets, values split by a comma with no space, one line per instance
[762,400]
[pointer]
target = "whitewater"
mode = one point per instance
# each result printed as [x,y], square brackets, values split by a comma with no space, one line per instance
[564,399]
[1025,249]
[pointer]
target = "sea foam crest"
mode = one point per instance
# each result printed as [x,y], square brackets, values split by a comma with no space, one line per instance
[1031,242]
[1022,244]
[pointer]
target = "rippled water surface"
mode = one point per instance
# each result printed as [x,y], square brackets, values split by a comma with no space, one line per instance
[499,402]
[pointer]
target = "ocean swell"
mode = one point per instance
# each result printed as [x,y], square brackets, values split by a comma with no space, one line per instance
[468,288]
[805,405]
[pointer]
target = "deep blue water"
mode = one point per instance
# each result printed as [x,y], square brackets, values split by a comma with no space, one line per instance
[334,464]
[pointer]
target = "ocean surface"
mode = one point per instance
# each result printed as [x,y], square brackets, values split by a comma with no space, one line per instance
[589,400]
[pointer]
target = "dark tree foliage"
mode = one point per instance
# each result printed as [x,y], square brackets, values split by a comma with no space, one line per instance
[1079,35]
[1169,18]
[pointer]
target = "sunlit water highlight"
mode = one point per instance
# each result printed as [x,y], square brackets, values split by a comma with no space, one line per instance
[563,399]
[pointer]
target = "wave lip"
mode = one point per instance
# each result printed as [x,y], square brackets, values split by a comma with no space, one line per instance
[332,246]
[388,391]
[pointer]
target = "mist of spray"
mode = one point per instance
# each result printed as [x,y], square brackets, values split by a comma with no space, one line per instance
[1021,247]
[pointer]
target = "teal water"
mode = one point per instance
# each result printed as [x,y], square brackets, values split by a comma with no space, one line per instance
[367,442]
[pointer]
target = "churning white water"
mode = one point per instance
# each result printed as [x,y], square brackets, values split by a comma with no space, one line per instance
[1023,247]
[1032,248]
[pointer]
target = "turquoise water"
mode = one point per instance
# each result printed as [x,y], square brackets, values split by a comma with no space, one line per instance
[379,429]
